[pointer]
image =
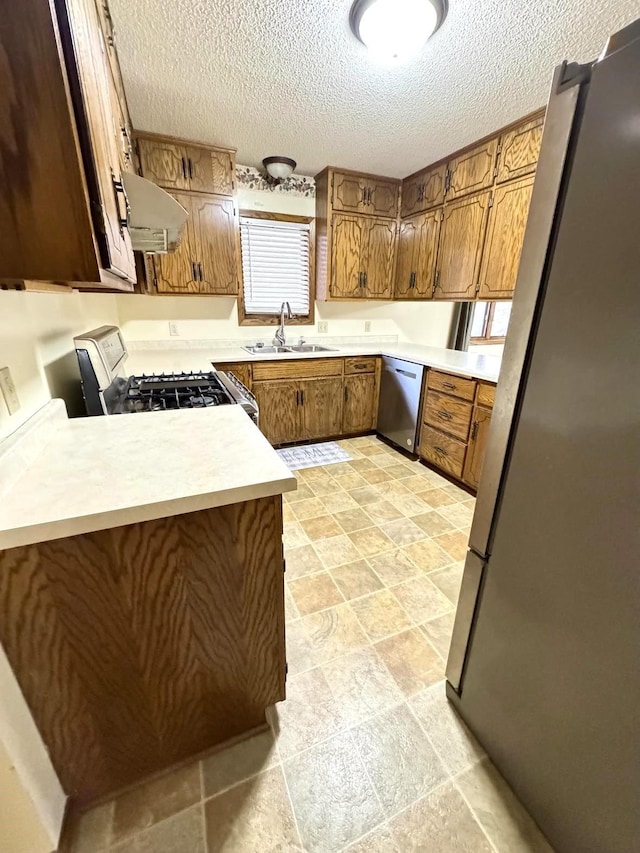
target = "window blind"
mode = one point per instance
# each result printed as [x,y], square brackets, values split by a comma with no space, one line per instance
[275,265]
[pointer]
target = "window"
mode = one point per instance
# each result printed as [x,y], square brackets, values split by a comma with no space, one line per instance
[490,322]
[277,267]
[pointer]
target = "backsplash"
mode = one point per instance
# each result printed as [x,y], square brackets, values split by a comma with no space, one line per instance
[252,179]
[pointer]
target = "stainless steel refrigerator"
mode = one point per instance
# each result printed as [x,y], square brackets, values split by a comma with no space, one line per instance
[545,654]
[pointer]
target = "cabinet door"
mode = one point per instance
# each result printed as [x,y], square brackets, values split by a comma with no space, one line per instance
[349,193]
[322,407]
[477,446]
[505,236]
[382,197]
[210,170]
[348,235]
[379,258]
[473,170]
[460,252]
[280,408]
[426,254]
[405,267]
[359,413]
[177,272]
[216,229]
[423,191]
[519,151]
[164,163]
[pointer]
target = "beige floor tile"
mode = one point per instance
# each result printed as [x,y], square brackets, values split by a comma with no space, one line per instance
[322,527]
[382,511]
[338,502]
[377,475]
[448,581]
[288,514]
[254,816]
[332,797]
[300,648]
[294,536]
[301,562]
[393,567]
[410,504]
[401,763]
[353,519]
[458,514]
[302,493]
[438,631]
[381,615]
[91,831]
[341,468]
[371,541]
[391,490]
[509,827]
[440,823]
[420,598]
[363,464]
[356,579]
[350,481]
[239,762]
[417,484]
[381,840]
[311,508]
[403,531]
[154,801]
[334,633]
[433,523]
[337,551]
[366,495]
[182,833]
[452,740]
[361,684]
[291,612]
[411,660]
[437,498]
[400,472]
[456,492]
[326,486]
[427,555]
[308,716]
[372,449]
[386,459]
[315,592]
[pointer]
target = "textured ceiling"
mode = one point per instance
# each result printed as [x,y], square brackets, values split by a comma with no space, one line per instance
[281,77]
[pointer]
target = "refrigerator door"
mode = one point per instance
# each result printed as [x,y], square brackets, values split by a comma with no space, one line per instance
[551,684]
[399,406]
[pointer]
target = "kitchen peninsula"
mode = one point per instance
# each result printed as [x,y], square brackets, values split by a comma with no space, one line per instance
[141,586]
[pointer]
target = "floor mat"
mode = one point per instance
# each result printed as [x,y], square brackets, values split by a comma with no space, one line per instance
[311,455]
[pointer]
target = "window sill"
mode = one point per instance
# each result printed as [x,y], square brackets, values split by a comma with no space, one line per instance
[273,320]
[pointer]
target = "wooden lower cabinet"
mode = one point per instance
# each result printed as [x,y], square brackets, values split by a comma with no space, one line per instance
[321,401]
[360,410]
[477,446]
[240,370]
[443,451]
[280,413]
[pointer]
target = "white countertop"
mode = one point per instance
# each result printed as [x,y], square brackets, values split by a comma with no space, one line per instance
[157,359]
[95,473]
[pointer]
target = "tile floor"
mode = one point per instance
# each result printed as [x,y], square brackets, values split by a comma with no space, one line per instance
[366,754]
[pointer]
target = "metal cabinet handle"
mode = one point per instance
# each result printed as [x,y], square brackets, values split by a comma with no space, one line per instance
[361,366]
[445,415]
[365,278]
[184,168]
[364,195]
[190,162]
[449,385]
[201,277]
[474,430]
[440,450]
[119,190]
[346,393]
[194,270]
[302,398]
[368,195]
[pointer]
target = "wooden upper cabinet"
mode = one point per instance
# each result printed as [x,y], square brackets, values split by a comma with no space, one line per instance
[180,166]
[164,163]
[379,259]
[359,413]
[349,193]
[460,252]
[407,251]
[504,240]
[210,170]
[473,170]
[477,448]
[364,194]
[519,151]
[322,406]
[216,229]
[349,238]
[418,239]
[423,191]
[382,197]
[176,272]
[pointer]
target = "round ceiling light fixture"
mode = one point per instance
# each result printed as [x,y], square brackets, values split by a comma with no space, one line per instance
[396,30]
[279,168]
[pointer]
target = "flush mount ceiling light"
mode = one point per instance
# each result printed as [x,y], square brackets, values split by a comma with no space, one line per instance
[279,168]
[396,30]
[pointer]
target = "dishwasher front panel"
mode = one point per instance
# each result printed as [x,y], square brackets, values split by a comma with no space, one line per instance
[399,408]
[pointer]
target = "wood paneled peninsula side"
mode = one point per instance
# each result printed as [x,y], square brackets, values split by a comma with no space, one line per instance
[141,587]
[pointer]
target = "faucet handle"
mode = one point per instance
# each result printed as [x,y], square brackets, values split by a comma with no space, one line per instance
[302,341]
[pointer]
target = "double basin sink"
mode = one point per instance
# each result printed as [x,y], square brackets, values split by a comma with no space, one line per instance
[257,350]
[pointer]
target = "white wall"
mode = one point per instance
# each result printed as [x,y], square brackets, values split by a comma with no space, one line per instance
[36,343]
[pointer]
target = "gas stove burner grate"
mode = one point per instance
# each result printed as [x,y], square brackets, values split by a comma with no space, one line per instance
[176,391]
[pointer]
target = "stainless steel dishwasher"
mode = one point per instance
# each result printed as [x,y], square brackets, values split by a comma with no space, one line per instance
[399,408]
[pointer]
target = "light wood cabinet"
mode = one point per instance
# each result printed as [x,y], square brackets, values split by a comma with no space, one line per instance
[506,226]
[519,151]
[417,251]
[360,410]
[364,194]
[472,171]
[211,170]
[177,272]
[424,190]
[461,243]
[241,370]
[280,412]
[379,259]
[477,446]
[321,407]
[177,165]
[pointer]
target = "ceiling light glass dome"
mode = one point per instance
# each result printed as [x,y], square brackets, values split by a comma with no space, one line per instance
[396,30]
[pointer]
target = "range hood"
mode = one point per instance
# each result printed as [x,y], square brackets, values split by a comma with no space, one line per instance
[154,218]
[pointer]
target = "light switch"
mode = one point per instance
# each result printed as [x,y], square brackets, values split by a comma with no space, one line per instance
[9,391]
[173,328]
[323,326]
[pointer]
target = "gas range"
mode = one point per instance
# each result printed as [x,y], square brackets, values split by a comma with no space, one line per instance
[101,354]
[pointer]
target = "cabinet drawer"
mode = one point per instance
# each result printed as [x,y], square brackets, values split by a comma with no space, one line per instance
[301,369]
[365,364]
[443,451]
[454,385]
[448,414]
[486,394]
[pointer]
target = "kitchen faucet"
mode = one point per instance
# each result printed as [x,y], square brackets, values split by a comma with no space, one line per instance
[279,337]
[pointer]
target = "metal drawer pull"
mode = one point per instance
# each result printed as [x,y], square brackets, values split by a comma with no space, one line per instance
[449,385]
[406,373]
[440,450]
[445,415]
[184,168]
[361,366]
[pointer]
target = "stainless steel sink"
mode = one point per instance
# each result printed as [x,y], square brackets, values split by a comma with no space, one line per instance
[266,350]
[311,348]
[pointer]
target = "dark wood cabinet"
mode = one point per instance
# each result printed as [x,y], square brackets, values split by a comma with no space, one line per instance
[364,194]
[164,163]
[461,243]
[280,411]
[418,238]
[472,171]
[378,262]
[477,445]
[360,405]
[321,407]
[177,165]
[424,190]
[177,272]
[519,151]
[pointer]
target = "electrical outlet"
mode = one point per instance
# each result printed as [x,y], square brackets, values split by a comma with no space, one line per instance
[9,391]
[173,329]
[323,326]
[367,325]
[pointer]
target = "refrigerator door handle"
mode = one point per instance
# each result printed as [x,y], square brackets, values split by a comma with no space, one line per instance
[474,569]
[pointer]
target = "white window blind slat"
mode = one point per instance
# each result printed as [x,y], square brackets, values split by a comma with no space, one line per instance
[275,265]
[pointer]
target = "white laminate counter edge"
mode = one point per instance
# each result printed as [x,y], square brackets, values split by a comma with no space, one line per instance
[19,449]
